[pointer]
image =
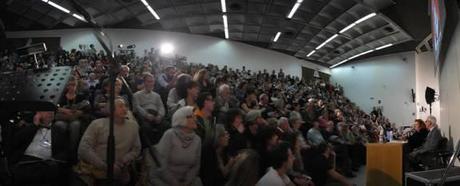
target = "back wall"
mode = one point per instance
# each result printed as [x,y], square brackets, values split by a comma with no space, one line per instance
[197,48]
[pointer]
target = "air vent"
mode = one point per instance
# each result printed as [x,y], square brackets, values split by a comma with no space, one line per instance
[289,33]
[336,52]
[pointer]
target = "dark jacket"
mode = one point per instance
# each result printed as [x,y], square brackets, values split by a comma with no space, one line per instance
[417,139]
[236,142]
[22,138]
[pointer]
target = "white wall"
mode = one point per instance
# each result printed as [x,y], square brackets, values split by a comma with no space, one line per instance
[196,48]
[425,75]
[387,78]
[449,84]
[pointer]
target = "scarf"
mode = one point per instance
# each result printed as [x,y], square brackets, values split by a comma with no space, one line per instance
[186,139]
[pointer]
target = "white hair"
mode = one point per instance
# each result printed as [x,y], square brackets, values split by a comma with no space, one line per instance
[179,118]
[432,119]
[282,120]
[223,87]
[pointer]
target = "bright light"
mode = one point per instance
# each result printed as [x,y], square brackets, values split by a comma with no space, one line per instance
[58,6]
[311,53]
[327,41]
[79,17]
[224,6]
[150,9]
[366,17]
[224,17]
[384,46]
[339,63]
[358,21]
[357,55]
[277,36]
[294,8]
[348,27]
[167,48]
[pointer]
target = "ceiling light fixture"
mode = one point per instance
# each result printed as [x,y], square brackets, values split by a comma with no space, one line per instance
[339,63]
[150,9]
[294,9]
[363,53]
[224,17]
[311,53]
[368,16]
[57,6]
[327,41]
[384,46]
[224,6]
[277,36]
[79,17]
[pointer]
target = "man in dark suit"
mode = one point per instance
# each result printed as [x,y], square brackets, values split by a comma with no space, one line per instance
[40,152]
[422,154]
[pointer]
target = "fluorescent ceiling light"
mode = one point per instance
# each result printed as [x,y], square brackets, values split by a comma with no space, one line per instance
[57,6]
[357,55]
[277,36]
[339,63]
[366,17]
[327,41]
[224,17]
[294,9]
[224,6]
[150,9]
[384,46]
[79,17]
[348,27]
[357,22]
[311,53]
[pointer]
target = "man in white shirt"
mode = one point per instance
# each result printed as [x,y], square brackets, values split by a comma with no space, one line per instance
[282,160]
[148,103]
[41,151]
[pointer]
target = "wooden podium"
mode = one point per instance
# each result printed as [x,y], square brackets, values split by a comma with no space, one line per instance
[384,164]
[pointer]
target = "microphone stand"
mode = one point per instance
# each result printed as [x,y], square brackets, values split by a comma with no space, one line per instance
[115,69]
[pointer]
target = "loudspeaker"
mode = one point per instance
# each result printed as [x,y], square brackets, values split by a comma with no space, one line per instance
[429,95]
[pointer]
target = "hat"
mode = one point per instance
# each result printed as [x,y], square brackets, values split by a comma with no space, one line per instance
[252,115]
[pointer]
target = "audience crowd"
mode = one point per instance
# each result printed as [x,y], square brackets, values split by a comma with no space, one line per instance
[191,124]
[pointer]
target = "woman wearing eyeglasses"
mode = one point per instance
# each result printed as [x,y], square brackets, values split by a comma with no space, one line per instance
[180,152]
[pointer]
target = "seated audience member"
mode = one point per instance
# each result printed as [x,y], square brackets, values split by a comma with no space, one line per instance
[242,172]
[178,92]
[296,123]
[202,78]
[224,161]
[148,104]
[418,137]
[40,152]
[250,101]
[206,130]
[93,147]
[282,161]
[224,102]
[101,99]
[267,141]
[253,122]
[283,127]
[421,154]
[297,171]
[180,152]
[314,135]
[166,82]
[190,93]
[236,129]
[92,82]
[320,166]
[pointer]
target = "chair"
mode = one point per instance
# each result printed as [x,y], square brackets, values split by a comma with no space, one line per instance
[438,158]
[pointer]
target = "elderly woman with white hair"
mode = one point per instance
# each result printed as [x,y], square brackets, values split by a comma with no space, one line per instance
[180,152]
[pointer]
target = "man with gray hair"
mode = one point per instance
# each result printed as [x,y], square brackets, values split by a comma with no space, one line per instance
[224,101]
[422,154]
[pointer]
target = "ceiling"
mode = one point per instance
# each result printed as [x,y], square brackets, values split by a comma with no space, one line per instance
[255,22]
